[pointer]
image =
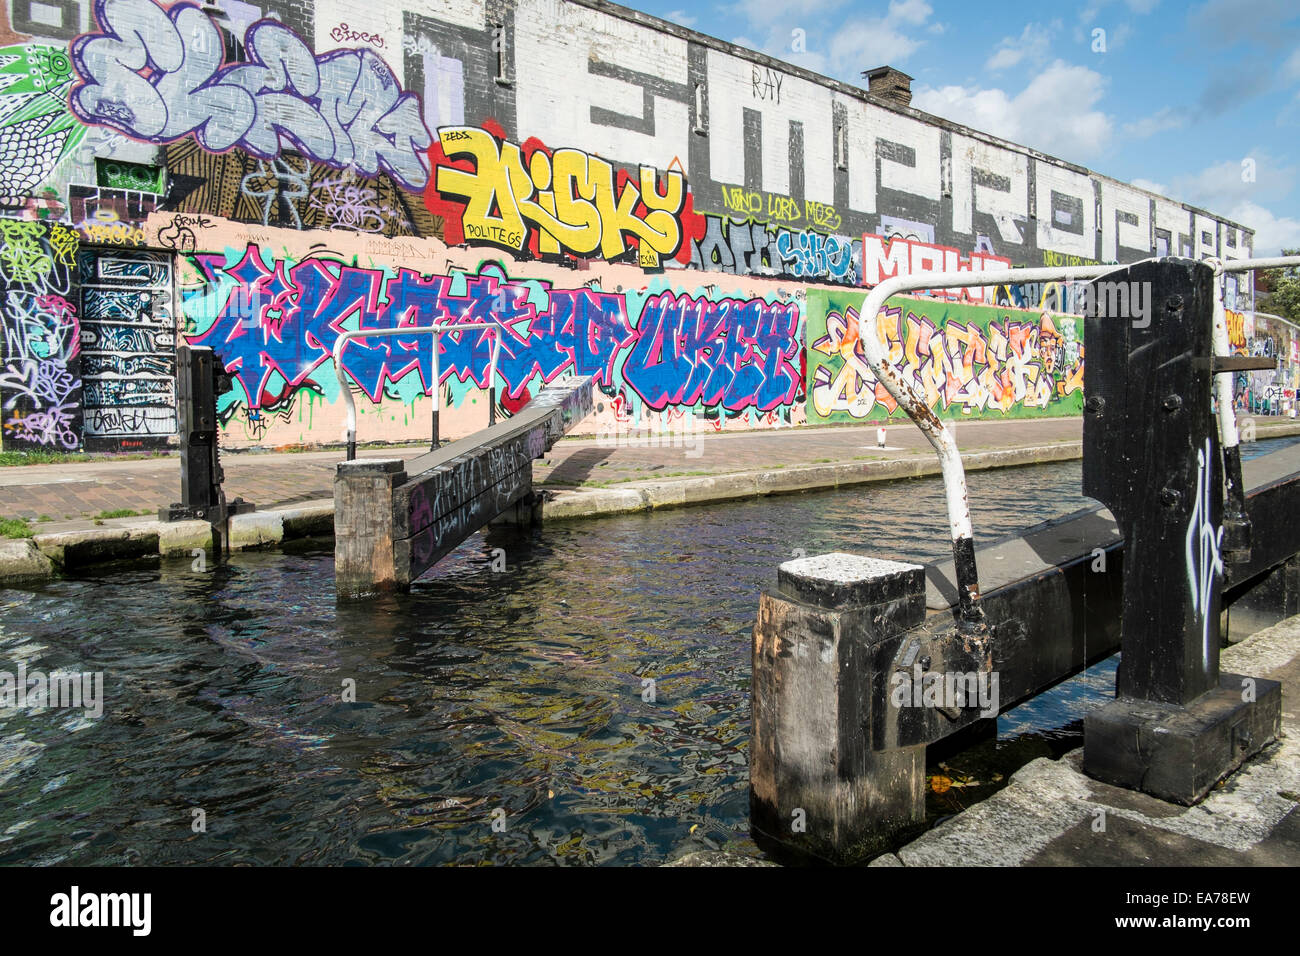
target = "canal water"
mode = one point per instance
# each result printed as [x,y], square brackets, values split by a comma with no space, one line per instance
[577,697]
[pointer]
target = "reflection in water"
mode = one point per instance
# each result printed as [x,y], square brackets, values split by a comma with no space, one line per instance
[521,697]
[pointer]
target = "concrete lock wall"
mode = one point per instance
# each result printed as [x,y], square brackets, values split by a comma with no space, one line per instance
[681,218]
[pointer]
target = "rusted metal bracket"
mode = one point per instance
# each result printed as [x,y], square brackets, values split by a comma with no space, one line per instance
[1241,363]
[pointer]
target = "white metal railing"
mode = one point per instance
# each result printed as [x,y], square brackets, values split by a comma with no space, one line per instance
[954,476]
[436,331]
[1235,517]
[1228,435]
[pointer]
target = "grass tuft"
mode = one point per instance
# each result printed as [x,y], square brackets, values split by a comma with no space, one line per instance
[15,528]
[121,513]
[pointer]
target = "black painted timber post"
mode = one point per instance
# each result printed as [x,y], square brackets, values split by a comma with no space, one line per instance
[201,379]
[1151,455]
[816,785]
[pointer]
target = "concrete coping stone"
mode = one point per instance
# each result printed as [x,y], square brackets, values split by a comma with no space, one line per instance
[842,580]
[371,466]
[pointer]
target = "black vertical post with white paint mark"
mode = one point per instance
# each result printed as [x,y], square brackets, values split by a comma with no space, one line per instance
[1151,455]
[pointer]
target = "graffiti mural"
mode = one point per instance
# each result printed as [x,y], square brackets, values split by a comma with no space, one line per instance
[275,324]
[40,372]
[157,76]
[885,258]
[316,168]
[113,217]
[492,191]
[128,350]
[292,192]
[36,130]
[746,247]
[965,360]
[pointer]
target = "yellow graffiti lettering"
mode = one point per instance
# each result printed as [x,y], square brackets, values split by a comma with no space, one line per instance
[783,209]
[820,215]
[1236,328]
[487,186]
[570,198]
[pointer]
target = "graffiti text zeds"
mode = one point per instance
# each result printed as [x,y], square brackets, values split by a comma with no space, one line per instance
[568,200]
[157,75]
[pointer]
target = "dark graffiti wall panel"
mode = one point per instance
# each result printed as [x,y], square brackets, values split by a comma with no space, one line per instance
[40,373]
[128,341]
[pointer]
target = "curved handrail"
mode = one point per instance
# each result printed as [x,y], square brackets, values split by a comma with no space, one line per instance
[437,331]
[1228,434]
[954,476]
[1235,518]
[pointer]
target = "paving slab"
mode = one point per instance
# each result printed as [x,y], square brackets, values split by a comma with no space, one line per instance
[1052,814]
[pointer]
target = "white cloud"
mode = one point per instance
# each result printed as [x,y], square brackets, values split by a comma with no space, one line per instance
[838,42]
[1226,190]
[1034,116]
[1151,187]
[1272,233]
[1290,70]
[1158,122]
[913,12]
[867,44]
[1232,182]
[682,17]
[1032,46]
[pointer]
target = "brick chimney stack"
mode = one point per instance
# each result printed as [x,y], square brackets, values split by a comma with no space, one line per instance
[887,83]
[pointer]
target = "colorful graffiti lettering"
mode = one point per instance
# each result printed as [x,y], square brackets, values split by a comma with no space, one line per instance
[751,203]
[963,359]
[110,216]
[1236,322]
[40,376]
[493,191]
[813,255]
[36,130]
[742,247]
[692,351]
[884,258]
[275,323]
[157,75]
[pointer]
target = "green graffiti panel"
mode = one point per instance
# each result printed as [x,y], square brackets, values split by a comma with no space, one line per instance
[968,361]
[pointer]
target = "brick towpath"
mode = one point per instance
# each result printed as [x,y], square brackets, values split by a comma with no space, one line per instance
[71,495]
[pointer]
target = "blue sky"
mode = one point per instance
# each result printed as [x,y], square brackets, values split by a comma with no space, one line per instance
[1180,96]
